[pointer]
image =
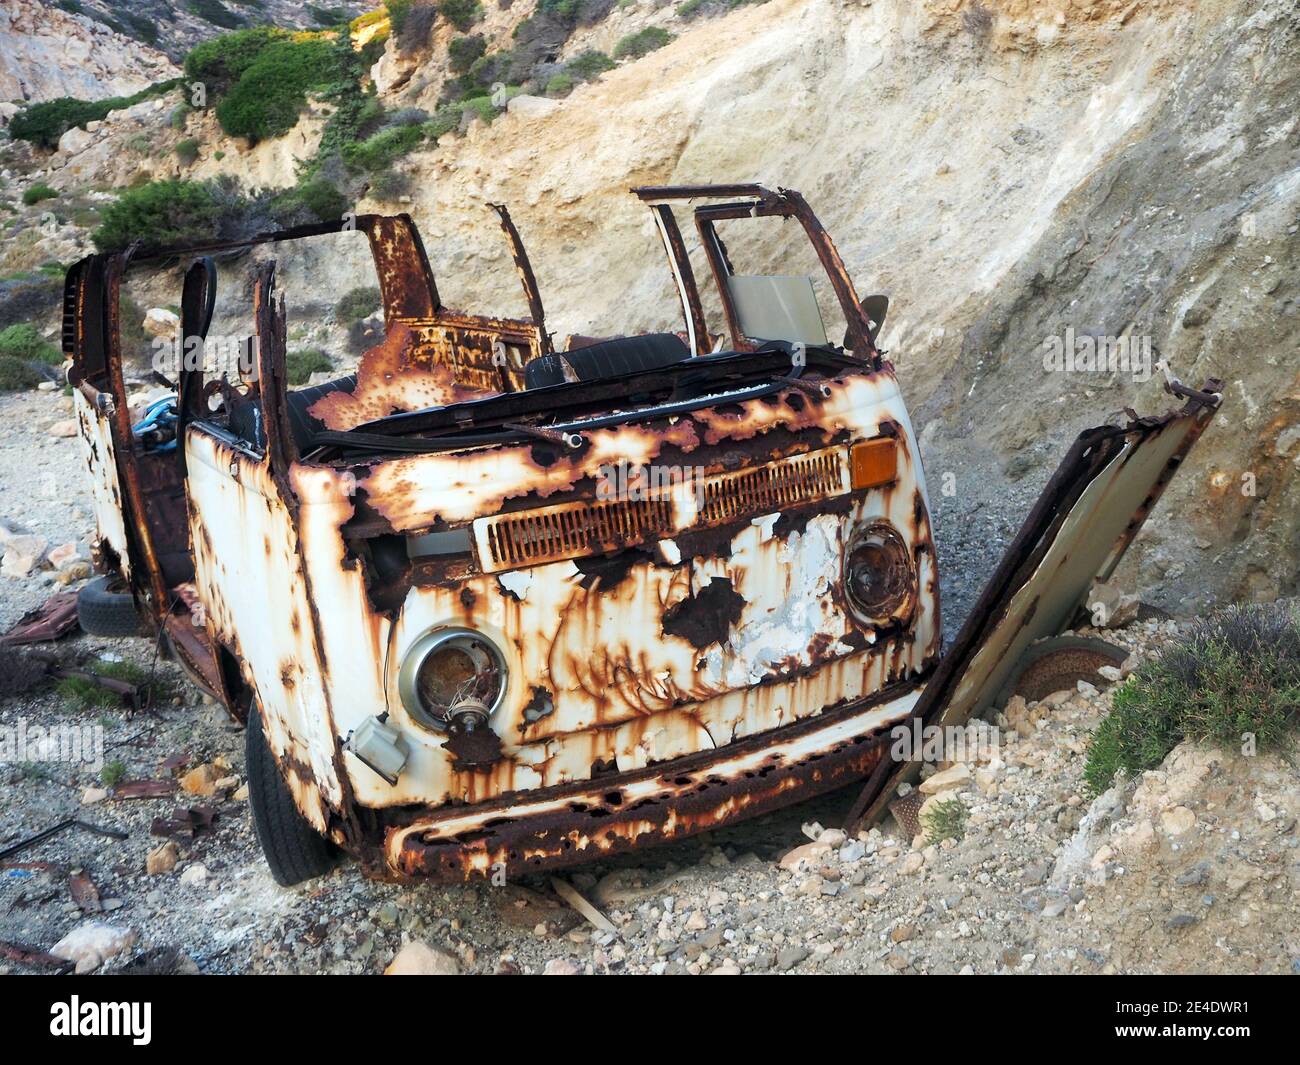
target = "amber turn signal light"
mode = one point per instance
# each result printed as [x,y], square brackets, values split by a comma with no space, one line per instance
[873,463]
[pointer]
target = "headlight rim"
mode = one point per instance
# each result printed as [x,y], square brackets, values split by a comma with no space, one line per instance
[425,645]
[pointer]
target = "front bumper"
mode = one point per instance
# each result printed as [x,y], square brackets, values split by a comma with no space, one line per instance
[592,819]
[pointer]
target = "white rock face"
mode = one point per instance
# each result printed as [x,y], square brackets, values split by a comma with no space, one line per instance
[46,53]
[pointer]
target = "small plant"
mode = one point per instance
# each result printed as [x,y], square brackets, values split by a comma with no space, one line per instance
[187,150]
[559,85]
[16,376]
[87,695]
[356,304]
[589,65]
[159,213]
[461,13]
[463,51]
[643,42]
[216,12]
[1236,676]
[272,90]
[380,150]
[38,192]
[689,8]
[22,341]
[944,820]
[300,365]
[113,773]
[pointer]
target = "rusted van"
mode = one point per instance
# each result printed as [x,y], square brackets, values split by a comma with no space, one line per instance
[488,606]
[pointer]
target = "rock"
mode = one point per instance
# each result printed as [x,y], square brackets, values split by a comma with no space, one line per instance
[853,850]
[952,779]
[1111,673]
[697,922]
[194,875]
[1112,608]
[73,572]
[902,933]
[912,863]
[562,967]
[75,140]
[531,107]
[790,956]
[22,555]
[92,944]
[1265,812]
[160,322]
[1177,821]
[832,837]
[809,852]
[240,794]
[201,780]
[64,429]
[162,859]
[420,959]
[1055,907]
[63,554]
[93,795]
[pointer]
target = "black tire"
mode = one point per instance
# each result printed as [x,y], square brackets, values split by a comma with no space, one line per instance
[294,850]
[103,609]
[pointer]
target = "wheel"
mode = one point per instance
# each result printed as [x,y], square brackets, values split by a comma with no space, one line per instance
[294,850]
[103,609]
[1057,663]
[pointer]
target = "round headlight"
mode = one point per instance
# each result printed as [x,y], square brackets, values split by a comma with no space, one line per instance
[879,578]
[450,668]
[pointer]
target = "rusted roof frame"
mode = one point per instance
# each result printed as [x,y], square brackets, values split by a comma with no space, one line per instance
[697,328]
[526,276]
[786,204]
[650,193]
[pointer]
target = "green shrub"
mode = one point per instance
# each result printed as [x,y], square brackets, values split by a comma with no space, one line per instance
[589,65]
[221,61]
[178,116]
[44,123]
[356,304]
[16,375]
[267,98]
[87,695]
[22,341]
[559,85]
[216,12]
[145,28]
[113,773]
[444,120]
[689,8]
[313,199]
[327,16]
[38,192]
[565,9]
[382,149]
[187,150]
[461,13]
[944,820]
[300,365]
[643,42]
[398,10]
[481,106]
[389,185]
[463,51]
[1237,674]
[159,213]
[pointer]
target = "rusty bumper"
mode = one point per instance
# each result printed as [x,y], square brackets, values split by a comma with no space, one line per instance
[588,820]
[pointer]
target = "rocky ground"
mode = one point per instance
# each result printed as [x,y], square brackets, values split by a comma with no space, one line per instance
[1194,866]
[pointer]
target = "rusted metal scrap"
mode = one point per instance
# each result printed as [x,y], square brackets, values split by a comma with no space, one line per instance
[54,618]
[54,830]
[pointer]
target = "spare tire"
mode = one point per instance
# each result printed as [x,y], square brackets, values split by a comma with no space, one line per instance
[106,608]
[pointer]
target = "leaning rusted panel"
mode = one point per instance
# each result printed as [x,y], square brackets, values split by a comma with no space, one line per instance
[1085,518]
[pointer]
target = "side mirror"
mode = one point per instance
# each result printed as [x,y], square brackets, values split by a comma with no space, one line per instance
[875,308]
